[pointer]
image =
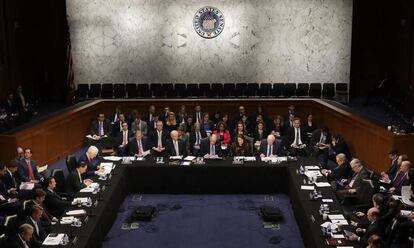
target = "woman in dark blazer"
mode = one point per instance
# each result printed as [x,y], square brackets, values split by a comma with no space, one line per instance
[260,132]
[241,147]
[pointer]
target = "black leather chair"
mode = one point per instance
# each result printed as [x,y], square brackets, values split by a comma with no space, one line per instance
[204,88]
[328,90]
[193,90]
[157,90]
[180,90]
[11,224]
[81,92]
[252,89]
[302,90]
[131,90]
[168,89]
[144,90]
[241,89]
[315,90]
[107,91]
[94,91]
[214,90]
[341,92]
[277,90]
[264,89]
[119,91]
[228,90]
[59,177]
[289,90]
[71,162]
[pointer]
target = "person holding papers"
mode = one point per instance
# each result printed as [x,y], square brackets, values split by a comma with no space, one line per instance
[158,140]
[28,169]
[211,148]
[270,147]
[298,139]
[175,146]
[138,146]
[89,158]
[75,181]
[353,184]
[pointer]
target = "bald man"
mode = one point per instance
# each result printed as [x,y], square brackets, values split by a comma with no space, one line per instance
[270,147]
[175,146]
[373,228]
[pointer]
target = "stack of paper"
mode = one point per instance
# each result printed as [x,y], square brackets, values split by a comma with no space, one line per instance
[312,167]
[189,158]
[113,158]
[176,157]
[67,220]
[313,173]
[80,200]
[26,186]
[249,159]
[90,188]
[307,187]
[107,167]
[53,239]
[322,184]
[76,212]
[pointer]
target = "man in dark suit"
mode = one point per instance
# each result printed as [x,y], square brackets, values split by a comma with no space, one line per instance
[55,204]
[10,180]
[117,126]
[123,138]
[270,147]
[392,171]
[298,139]
[23,237]
[211,148]
[101,126]
[39,234]
[175,146]
[158,139]
[89,158]
[373,216]
[149,117]
[8,205]
[115,116]
[75,181]
[138,145]
[400,179]
[152,125]
[198,115]
[320,141]
[196,136]
[163,117]
[28,169]
[342,171]
[353,184]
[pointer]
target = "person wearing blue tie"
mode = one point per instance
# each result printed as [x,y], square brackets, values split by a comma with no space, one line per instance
[210,148]
[270,147]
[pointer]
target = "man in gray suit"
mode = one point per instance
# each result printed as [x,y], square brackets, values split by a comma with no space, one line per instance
[139,124]
[353,184]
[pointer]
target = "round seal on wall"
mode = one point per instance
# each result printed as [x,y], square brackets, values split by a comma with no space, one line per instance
[208,22]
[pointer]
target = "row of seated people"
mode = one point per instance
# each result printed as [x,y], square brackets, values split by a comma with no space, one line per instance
[238,137]
[16,109]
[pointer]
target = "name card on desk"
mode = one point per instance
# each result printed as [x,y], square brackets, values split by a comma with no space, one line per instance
[322,184]
[307,187]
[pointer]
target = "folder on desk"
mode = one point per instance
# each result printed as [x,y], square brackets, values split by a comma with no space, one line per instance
[53,239]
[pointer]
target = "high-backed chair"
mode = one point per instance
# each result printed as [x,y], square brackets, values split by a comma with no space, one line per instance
[277,90]
[241,89]
[264,89]
[119,91]
[59,177]
[328,90]
[157,90]
[302,90]
[180,90]
[144,90]
[94,91]
[131,90]
[71,162]
[289,90]
[341,92]
[315,90]
[252,89]
[107,91]
[81,92]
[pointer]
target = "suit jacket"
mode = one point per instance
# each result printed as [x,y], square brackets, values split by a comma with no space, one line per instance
[94,130]
[398,182]
[258,137]
[303,135]
[120,137]
[92,164]
[182,149]
[24,171]
[73,184]
[143,127]
[37,238]
[342,147]
[392,171]
[316,136]
[153,137]
[10,181]
[133,146]
[16,242]
[193,137]
[277,147]
[54,203]
[195,117]
[373,228]
[116,128]
[340,172]
[205,148]
[359,177]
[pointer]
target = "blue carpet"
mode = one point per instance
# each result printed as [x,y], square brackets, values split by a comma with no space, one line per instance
[61,164]
[204,221]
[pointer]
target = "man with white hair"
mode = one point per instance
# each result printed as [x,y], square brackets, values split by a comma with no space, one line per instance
[353,184]
[175,146]
[89,158]
[23,237]
[270,147]
[211,148]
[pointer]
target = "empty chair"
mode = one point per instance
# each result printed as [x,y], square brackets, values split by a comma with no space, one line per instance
[157,90]
[71,162]
[241,89]
[341,92]
[315,90]
[289,90]
[264,89]
[81,91]
[119,91]
[328,90]
[59,177]
[180,90]
[204,88]
[228,90]
[94,91]
[143,90]
[215,90]
[252,89]
[107,91]
[168,89]
[131,90]
[277,90]
[193,90]
[302,90]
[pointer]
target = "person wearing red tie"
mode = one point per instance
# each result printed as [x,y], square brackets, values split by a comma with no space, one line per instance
[123,138]
[400,179]
[138,145]
[28,169]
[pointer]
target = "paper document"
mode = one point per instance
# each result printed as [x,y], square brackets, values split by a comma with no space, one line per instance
[27,186]
[53,240]
[90,188]
[313,173]
[186,163]
[249,159]
[81,200]
[322,184]
[176,157]
[76,212]
[327,200]
[307,187]
[312,167]
[113,158]
[189,158]
[340,222]
[336,217]
[107,167]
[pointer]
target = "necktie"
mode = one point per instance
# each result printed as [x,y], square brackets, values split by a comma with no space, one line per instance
[150,117]
[212,152]
[321,140]
[101,131]
[398,179]
[125,138]
[297,136]
[139,148]
[177,152]
[30,169]
[197,138]
[36,227]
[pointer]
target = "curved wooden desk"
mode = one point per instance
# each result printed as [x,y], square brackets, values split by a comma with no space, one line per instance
[63,134]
